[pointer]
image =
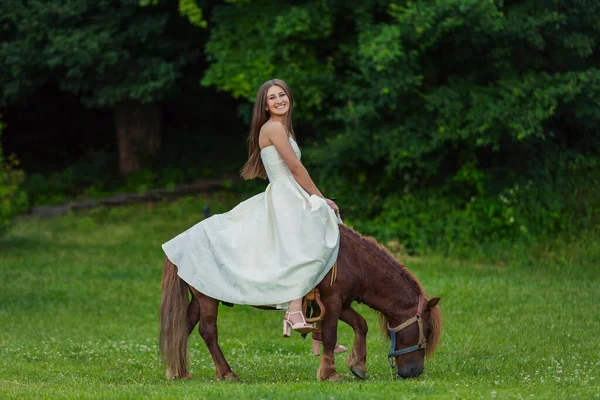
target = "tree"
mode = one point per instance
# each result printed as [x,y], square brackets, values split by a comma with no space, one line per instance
[424,89]
[126,55]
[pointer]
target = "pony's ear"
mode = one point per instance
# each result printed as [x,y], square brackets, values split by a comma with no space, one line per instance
[432,303]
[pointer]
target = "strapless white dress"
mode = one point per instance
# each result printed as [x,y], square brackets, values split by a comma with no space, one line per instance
[268,250]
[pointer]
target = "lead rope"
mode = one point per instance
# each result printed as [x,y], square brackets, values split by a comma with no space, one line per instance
[392,361]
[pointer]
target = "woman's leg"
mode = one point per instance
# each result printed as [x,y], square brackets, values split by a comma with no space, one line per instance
[293,309]
[294,319]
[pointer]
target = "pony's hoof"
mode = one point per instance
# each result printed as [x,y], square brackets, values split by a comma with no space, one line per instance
[229,376]
[335,377]
[183,376]
[359,373]
[330,376]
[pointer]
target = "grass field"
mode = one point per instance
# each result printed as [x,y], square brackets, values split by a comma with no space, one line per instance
[79,296]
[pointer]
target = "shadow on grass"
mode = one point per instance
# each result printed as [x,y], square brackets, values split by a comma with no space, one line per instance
[23,243]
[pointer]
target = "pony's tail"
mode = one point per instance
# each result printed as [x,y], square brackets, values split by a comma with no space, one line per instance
[173,336]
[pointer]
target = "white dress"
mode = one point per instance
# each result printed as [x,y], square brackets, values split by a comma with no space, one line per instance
[268,250]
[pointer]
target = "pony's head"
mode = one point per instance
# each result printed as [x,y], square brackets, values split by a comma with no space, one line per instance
[415,337]
[408,317]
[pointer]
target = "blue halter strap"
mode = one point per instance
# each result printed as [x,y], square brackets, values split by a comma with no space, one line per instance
[422,344]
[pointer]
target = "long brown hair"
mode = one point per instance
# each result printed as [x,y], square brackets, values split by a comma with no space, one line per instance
[254,167]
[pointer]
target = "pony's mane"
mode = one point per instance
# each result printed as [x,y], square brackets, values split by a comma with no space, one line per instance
[373,247]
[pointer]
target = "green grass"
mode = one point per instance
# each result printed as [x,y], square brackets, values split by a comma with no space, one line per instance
[79,296]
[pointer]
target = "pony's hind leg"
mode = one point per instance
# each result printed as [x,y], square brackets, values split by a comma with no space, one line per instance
[209,308]
[357,358]
[193,314]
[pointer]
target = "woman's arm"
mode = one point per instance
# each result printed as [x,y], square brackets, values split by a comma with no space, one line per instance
[275,133]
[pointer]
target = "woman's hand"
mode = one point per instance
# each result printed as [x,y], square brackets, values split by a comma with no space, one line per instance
[334,206]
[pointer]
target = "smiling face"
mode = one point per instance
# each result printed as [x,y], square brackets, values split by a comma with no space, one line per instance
[278,102]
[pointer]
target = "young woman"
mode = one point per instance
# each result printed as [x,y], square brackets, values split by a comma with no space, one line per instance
[275,247]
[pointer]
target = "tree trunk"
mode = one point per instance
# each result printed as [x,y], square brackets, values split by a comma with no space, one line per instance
[138,128]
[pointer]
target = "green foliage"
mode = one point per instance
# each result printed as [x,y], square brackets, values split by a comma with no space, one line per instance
[253,42]
[466,98]
[12,198]
[190,9]
[424,222]
[411,107]
[103,52]
[441,221]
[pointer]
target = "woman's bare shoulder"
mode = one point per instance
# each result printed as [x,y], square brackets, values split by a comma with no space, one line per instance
[271,127]
[270,130]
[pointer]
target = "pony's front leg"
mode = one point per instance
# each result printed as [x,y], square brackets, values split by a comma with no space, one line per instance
[357,359]
[209,308]
[326,369]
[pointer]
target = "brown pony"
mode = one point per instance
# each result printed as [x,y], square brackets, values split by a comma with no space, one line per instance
[367,273]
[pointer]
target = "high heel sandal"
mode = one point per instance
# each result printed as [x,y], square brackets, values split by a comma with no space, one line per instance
[300,326]
[339,348]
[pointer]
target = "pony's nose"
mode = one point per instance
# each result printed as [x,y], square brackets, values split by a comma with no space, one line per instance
[411,372]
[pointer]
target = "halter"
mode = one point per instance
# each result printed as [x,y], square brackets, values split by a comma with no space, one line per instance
[422,344]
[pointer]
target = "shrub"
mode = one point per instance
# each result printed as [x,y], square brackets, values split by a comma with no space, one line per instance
[12,198]
[565,205]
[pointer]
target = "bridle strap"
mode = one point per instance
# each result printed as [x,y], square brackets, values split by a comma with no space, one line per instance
[422,344]
[404,324]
